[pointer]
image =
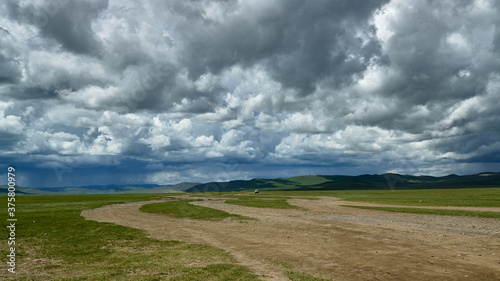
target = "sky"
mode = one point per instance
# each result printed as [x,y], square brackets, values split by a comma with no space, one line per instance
[161,92]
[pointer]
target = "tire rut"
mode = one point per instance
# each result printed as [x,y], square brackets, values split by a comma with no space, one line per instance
[327,240]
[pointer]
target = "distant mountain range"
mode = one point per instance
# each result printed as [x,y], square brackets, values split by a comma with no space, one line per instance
[103,189]
[362,182]
[317,182]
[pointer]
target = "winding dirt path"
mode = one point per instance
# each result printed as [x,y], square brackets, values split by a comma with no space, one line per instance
[330,241]
[365,204]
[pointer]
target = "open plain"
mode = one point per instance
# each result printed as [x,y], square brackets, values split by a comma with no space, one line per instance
[327,240]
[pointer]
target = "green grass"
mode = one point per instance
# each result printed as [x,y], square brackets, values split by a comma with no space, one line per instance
[249,199]
[433,211]
[217,272]
[182,209]
[53,242]
[300,276]
[467,197]
[473,197]
[262,203]
[308,180]
[293,274]
[470,197]
[294,183]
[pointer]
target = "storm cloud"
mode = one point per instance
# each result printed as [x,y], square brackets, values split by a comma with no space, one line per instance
[166,91]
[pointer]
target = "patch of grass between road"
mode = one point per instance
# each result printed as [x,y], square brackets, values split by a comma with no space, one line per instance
[218,272]
[292,274]
[440,212]
[183,209]
[300,276]
[466,197]
[262,203]
[54,242]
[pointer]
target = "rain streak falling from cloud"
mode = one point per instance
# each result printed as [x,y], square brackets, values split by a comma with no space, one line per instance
[96,92]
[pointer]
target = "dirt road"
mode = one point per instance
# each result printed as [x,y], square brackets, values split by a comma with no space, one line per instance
[330,241]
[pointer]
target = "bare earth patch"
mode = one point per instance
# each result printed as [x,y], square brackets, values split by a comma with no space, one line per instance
[330,241]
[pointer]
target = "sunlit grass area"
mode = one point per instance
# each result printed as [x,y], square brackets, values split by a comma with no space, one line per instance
[293,274]
[300,276]
[54,242]
[277,203]
[470,197]
[467,197]
[183,209]
[434,211]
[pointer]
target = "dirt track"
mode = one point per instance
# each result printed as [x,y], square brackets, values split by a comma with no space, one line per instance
[330,241]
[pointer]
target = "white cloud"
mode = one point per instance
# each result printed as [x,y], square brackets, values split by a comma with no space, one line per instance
[92,96]
[106,143]
[203,141]
[156,142]
[267,122]
[58,143]
[10,124]
[46,67]
[166,178]
[304,123]
[256,82]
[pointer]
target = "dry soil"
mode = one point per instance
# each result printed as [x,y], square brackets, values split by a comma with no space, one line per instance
[327,240]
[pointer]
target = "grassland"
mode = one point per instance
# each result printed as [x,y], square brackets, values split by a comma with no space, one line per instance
[182,209]
[54,242]
[300,276]
[277,203]
[440,212]
[292,274]
[467,197]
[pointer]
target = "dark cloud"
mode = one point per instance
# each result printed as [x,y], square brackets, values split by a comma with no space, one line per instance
[10,71]
[67,22]
[435,50]
[9,140]
[217,90]
[300,43]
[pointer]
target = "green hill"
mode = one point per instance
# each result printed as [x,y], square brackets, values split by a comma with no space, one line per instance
[303,183]
[362,182]
[24,190]
[104,189]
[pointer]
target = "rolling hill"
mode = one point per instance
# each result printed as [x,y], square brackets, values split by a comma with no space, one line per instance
[303,183]
[102,189]
[362,182]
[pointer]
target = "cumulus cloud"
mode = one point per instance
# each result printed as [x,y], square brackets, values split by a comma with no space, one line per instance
[166,178]
[217,90]
[66,22]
